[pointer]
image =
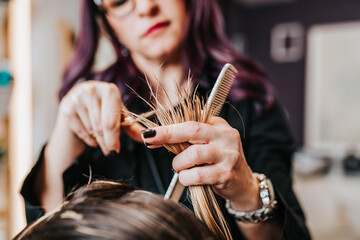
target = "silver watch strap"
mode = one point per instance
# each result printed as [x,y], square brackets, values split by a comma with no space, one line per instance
[267,197]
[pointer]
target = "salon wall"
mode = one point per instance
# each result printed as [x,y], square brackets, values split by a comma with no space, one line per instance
[251,27]
[52,23]
[40,42]
[325,186]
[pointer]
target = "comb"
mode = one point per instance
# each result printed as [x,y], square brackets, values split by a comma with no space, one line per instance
[215,102]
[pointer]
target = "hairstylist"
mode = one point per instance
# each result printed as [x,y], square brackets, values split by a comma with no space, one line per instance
[163,39]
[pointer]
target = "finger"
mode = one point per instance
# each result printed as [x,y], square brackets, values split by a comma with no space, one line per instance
[101,142]
[78,128]
[153,146]
[111,118]
[83,115]
[192,132]
[134,131]
[203,175]
[94,115]
[93,109]
[196,155]
[218,121]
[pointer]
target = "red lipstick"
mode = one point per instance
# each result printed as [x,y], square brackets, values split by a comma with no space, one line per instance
[157,26]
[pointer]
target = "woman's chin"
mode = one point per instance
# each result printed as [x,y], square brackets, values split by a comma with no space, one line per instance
[165,53]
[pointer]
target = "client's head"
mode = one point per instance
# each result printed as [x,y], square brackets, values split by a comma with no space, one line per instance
[112,210]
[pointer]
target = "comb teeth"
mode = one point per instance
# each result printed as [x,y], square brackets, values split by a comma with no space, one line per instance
[221,89]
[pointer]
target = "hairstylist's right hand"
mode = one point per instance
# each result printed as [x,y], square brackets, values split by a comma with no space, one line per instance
[93,111]
[89,114]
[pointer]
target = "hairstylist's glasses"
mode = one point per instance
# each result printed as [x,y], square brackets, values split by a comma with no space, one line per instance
[116,8]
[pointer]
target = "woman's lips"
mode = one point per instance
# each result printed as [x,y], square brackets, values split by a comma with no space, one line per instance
[156,27]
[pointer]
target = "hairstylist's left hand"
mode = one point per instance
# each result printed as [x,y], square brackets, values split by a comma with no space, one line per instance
[215,158]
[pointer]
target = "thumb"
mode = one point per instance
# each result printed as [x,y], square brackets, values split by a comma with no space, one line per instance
[134,131]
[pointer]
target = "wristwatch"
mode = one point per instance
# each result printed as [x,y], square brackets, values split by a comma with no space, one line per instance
[267,197]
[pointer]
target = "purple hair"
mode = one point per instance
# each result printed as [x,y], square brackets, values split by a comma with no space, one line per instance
[205,42]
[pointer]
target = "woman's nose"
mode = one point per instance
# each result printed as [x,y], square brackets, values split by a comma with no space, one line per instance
[146,7]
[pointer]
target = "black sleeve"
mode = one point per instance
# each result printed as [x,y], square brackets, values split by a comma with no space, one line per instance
[268,147]
[91,164]
[33,209]
[75,176]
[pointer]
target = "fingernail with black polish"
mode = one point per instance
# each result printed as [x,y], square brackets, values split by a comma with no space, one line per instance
[148,133]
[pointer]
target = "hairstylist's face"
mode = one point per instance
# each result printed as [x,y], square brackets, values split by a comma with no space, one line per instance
[154,29]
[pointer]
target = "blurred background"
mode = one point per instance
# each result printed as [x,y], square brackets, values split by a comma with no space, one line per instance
[310,49]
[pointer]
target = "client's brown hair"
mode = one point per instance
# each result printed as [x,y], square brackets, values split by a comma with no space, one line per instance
[112,210]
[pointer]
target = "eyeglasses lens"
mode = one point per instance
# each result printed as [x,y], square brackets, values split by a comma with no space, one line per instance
[119,8]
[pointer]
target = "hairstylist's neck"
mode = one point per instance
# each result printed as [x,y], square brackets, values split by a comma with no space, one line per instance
[165,72]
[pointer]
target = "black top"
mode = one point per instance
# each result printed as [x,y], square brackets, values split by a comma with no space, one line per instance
[267,144]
